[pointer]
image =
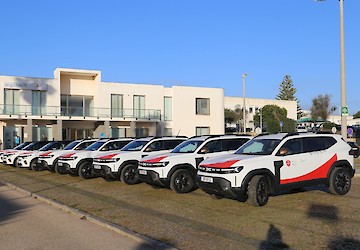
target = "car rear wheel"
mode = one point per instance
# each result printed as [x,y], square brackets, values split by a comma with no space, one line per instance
[340,181]
[182,181]
[85,170]
[129,174]
[258,191]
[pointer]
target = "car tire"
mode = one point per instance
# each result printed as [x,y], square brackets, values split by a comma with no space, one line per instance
[16,163]
[58,169]
[34,166]
[340,181]
[258,191]
[129,174]
[85,170]
[182,181]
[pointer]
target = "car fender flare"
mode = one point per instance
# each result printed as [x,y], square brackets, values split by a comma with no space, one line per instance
[83,160]
[187,166]
[262,171]
[342,163]
[122,165]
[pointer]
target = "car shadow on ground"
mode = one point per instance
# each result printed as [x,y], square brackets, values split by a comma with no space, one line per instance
[331,213]
[9,208]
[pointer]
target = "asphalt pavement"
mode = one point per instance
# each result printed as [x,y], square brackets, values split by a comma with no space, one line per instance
[27,223]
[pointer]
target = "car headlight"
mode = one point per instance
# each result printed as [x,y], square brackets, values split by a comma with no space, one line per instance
[154,164]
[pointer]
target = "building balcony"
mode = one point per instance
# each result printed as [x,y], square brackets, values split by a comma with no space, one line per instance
[79,112]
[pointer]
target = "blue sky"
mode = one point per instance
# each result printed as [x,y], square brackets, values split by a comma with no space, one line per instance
[189,42]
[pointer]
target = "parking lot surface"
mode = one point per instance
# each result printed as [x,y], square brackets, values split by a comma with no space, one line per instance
[306,219]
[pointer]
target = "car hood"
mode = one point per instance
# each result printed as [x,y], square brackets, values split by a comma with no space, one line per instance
[164,157]
[229,160]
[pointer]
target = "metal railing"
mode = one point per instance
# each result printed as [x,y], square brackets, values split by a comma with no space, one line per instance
[28,110]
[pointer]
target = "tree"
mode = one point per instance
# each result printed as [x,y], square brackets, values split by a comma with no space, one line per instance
[272,115]
[356,115]
[230,116]
[287,92]
[321,107]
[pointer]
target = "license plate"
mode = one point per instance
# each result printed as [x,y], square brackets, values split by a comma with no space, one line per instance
[97,166]
[143,172]
[60,164]
[207,179]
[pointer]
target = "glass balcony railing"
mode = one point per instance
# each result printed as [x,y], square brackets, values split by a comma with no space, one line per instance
[152,114]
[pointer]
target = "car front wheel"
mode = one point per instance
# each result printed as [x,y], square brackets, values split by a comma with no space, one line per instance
[85,170]
[129,174]
[258,191]
[340,181]
[182,181]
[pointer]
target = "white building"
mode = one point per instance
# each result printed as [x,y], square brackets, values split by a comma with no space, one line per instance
[77,104]
[254,104]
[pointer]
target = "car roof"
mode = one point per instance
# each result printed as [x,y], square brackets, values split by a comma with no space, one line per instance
[207,137]
[280,136]
[162,138]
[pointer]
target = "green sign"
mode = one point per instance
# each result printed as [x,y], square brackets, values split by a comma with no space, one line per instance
[345,110]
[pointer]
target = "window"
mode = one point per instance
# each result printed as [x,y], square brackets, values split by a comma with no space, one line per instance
[139,106]
[171,144]
[117,132]
[141,132]
[202,106]
[293,146]
[116,105]
[232,144]
[38,102]
[167,108]
[312,144]
[211,147]
[202,130]
[154,146]
[11,101]
[77,105]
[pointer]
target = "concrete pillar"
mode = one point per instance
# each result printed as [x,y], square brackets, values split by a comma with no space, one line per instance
[57,130]
[132,129]
[28,130]
[107,128]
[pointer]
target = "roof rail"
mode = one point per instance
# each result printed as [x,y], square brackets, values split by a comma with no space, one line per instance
[324,132]
[291,134]
[262,134]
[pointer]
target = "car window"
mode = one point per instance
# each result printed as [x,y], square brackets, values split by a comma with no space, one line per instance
[258,147]
[170,144]
[293,146]
[232,144]
[154,146]
[187,147]
[211,147]
[312,144]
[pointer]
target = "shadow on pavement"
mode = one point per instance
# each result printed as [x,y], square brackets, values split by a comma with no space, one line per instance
[9,207]
[323,212]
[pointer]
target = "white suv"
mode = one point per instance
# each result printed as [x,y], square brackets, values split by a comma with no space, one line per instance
[80,162]
[271,163]
[49,159]
[123,164]
[177,169]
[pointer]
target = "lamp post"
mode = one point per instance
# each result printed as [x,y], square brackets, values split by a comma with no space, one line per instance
[344,109]
[244,106]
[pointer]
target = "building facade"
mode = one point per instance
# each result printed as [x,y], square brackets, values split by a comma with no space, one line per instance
[76,104]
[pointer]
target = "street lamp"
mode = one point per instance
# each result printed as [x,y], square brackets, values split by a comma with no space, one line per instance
[244,106]
[344,109]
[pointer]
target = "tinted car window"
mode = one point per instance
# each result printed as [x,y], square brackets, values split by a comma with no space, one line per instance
[232,144]
[84,145]
[154,146]
[170,144]
[293,146]
[211,147]
[312,144]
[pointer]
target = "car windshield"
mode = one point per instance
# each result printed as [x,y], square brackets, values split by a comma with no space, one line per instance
[187,147]
[22,145]
[258,147]
[30,146]
[135,146]
[71,145]
[47,146]
[95,146]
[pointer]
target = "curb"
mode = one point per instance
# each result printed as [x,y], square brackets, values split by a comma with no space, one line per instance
[93,219]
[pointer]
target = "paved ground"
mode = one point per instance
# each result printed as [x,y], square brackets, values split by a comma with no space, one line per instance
[311,219]
[27,223]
